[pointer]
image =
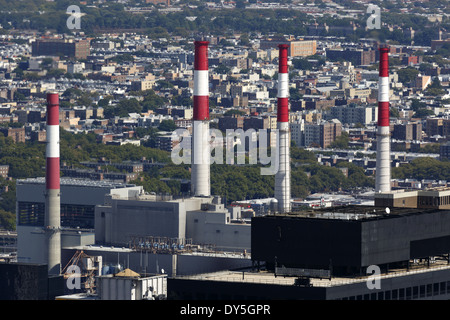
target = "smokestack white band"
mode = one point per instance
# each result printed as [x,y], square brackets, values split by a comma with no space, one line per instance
[52,150]
[200,142]
[383,89]
[201,84]
[283,85]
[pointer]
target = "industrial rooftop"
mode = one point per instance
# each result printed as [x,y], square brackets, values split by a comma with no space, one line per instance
[77,182]
[355,212]
[265,277]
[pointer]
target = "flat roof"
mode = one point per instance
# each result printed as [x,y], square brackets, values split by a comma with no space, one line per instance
[77,296]
[265,277]
[395,194]
[78,182]
[354,212]
[100,248]
[401,193]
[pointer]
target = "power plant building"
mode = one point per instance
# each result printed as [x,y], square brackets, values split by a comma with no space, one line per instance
[326,254]
[197,220]
[308,254]
[78,201]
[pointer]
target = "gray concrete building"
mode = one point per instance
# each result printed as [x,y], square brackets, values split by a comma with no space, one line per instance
[354,114]
[78,201]
[197,220]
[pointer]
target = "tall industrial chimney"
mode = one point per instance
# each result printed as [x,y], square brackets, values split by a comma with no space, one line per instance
[200,170]
[283,176]
[383,169]
[52,181]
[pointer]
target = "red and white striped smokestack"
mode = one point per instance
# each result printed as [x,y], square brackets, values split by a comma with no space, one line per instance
[383,169]
[52,181]
[200,170]
[282,177]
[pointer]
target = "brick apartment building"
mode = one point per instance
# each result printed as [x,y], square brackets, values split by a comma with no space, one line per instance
[17,134]
[297,48]
[79,49]
[357,57]
[322,134]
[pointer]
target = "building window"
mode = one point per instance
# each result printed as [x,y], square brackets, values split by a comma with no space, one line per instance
[415,292]
[395,294]
[422,291]
[408,293]
[429,290]
[31,213]
[401,294]
[435,289]
[443,288]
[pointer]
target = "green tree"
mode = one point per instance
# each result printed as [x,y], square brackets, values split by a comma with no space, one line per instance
[416,105]
[122,58]
[72,93]
[393,112]
[341,142]
[435,88]
[18,96]
[123,108]
[167,125]
[244,40]
[222,69]
[423,113]
[234,112]
[182,100]
[407,75]
[151,100]
[423,168]
[294,94]
[7,220]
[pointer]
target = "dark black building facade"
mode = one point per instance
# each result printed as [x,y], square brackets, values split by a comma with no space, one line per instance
[346,240]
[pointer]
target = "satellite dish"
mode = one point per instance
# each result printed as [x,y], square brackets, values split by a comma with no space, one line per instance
[388,210]
[162,270]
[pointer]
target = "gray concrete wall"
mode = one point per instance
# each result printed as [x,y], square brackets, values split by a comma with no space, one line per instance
[156,263]
[31,245]
[133,218]
[124,219]
[205,227]
[84,195]
[73,239]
